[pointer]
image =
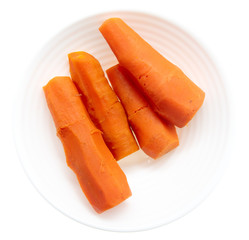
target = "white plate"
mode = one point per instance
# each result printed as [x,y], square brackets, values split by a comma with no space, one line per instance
[163,190]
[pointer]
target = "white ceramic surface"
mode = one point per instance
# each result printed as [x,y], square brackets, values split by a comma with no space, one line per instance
[163,190]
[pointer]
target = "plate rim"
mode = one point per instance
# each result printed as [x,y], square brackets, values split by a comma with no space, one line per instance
[42,52]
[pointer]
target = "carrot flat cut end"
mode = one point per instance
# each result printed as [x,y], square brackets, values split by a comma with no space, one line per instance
[156,140]
[187,113]
[56,79]
[113,205]
[171,141]
[120,155]
[110,20]
[174,143]
[80,54]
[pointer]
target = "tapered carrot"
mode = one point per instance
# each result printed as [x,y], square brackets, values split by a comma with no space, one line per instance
[172,94]
[102,104]
[100,177]
[155,136]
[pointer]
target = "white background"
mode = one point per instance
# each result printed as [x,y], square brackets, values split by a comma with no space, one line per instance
[222,27]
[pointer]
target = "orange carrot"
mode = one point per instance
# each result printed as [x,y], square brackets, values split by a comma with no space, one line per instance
[100,177]
[172,94]
[155,136]
[102,104]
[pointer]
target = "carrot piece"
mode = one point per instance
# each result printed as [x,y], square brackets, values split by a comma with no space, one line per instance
[172,94]
[100,177]
[101,102]
[155,137]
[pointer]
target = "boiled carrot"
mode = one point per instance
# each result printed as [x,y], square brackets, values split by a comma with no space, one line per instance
[100,177]
[101,102]
[171,93]
[155,136]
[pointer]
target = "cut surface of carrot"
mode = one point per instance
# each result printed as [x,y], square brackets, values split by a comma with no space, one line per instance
[101,179]
[171,93]
[155,136]
[102,104]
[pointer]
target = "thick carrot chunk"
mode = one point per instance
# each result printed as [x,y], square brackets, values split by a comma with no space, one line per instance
[171,93]
[101,102]
[100,177]
[155,136]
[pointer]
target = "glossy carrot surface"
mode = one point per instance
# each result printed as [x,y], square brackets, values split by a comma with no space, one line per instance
[101,102]
[155,137]
[100,177]
[171,93]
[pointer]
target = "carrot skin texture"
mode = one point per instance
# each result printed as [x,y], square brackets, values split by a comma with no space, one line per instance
[101,102]
[100,177]
[155,137]
[171,93]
